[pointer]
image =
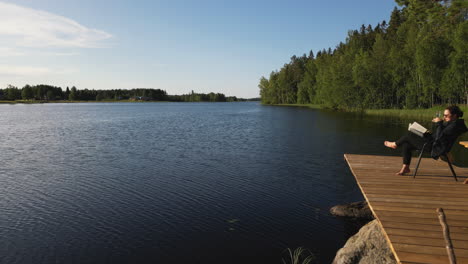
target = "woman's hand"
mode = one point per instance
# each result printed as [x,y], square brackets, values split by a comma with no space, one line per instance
[437,119]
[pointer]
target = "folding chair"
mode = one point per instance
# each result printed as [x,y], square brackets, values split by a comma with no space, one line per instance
[445,155]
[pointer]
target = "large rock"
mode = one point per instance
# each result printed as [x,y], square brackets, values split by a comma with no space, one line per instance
[368,246]
[359,210]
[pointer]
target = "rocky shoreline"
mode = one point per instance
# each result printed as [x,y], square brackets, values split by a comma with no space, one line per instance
[369,244]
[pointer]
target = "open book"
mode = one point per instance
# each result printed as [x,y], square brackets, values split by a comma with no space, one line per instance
[417,129]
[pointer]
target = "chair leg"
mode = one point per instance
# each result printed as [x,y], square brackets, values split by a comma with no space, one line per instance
[419,161]
[451,167]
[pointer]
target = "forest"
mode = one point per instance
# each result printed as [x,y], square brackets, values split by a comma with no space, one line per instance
[418,59]
[46,93]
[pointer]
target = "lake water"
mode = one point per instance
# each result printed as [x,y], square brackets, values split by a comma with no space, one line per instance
[177,182]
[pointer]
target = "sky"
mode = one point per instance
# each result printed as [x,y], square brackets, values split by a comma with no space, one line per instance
[178,46]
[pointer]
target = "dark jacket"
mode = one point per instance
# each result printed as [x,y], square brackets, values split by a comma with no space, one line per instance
[445,136]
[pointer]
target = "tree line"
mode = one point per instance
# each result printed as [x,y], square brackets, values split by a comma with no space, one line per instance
[417,60]
[45,92]
[201,97]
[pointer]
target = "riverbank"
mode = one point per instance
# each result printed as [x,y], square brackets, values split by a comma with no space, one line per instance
[313,106]
[401,113]
[67,101]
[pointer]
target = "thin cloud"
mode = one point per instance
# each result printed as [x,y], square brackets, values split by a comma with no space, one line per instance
[10,52]
[8,70]
[58,54]
[23,70]
[14,52]
[28,27]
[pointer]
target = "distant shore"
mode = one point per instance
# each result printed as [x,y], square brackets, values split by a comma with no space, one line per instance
[102,101]
[73,102]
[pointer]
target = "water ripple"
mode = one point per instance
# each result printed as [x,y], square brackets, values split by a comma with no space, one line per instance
[171,183]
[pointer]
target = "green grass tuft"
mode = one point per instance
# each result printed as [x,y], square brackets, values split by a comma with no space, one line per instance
[298,256]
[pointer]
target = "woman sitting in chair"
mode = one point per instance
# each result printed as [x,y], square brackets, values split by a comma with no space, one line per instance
[440,142]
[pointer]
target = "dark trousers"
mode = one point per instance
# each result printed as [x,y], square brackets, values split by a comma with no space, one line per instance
[410,142]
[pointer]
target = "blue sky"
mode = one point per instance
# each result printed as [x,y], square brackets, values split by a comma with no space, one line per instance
[178,46]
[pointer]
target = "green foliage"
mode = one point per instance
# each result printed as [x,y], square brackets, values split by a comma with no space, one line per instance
[455,79]
[73,94]
[201,97]
[27,92]
[11,93]
[51,93]
[307,88]
[418,60]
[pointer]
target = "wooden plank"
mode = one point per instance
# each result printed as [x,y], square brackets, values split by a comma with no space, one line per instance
[436,182]
[417,199]
[398,213]
[427,205]
[451,212]
[384,181]
[417,185]
[419,226]
[423,233]
[425,241]
[414,196]
[384,191]
[419,249]
[420,180]
[428,258]
[429,173]
[390,190]
[422,221]
[391,172]
[392,169]
[406,262]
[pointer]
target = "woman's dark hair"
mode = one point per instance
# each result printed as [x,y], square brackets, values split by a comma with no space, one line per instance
[455,110]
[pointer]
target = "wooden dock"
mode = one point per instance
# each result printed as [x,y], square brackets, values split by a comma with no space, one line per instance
[406,207]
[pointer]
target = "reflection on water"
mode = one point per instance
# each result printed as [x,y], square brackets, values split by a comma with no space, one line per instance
[177,182]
